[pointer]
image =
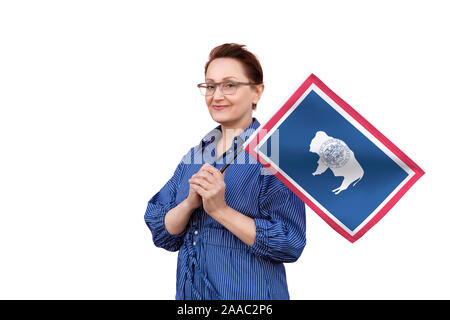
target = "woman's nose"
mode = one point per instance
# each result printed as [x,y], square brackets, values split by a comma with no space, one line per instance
[218,94]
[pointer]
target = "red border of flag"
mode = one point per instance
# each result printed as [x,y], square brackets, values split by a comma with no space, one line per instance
[312,79]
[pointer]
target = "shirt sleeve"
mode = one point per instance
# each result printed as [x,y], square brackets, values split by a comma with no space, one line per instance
[281,231]
[157,208]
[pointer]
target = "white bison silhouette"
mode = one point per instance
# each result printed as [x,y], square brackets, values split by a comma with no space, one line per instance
[337,156]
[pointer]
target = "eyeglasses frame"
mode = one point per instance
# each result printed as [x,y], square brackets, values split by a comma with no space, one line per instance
[220,87]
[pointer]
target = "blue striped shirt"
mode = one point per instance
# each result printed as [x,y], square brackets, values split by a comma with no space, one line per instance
[212,262]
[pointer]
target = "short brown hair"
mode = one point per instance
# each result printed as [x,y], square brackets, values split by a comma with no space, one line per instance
[250,62]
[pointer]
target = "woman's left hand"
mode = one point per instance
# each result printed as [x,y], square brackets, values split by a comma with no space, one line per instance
[209,183]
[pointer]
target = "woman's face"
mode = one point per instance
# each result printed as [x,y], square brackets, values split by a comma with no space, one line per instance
[236,108]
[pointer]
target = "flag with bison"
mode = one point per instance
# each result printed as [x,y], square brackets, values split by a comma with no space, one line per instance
[333,159]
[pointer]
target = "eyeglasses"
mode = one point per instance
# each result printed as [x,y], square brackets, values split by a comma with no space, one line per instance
[226,87]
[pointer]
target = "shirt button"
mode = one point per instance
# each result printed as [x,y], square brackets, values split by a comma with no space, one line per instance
[195,232]
[194,243]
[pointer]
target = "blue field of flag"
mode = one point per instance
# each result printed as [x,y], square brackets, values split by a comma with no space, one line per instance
[315,138]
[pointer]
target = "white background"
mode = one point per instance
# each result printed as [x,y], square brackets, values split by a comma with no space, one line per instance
[98,104]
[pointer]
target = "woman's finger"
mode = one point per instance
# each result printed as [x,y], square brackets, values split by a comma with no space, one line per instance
[206,175]
[201,182]
[214,172]
[199,189]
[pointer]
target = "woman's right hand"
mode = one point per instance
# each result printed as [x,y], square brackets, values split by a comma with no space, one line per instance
[193,199]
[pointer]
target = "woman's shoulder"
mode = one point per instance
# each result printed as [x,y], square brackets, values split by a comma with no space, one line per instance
[187,158]
[269,183]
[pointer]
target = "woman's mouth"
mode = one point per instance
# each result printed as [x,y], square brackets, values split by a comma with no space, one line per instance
[219,107]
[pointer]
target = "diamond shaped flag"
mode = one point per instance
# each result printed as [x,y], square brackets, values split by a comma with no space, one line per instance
[339,164]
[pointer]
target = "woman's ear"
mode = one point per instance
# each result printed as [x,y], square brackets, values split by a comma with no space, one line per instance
[259,90]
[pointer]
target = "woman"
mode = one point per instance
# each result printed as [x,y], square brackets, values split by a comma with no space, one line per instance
[233,230]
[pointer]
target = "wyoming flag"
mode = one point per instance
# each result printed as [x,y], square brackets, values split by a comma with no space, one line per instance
[333,159]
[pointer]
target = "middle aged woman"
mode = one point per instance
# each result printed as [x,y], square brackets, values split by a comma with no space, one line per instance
[234,230]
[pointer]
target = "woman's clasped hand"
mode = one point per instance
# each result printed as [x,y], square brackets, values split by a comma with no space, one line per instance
[209,184]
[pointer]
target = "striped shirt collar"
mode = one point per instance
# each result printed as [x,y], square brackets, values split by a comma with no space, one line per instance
[217,133]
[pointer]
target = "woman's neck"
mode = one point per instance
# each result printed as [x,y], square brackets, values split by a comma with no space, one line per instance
[231,131]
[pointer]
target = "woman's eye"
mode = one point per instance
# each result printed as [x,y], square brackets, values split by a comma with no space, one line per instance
[230,85]
[210,87]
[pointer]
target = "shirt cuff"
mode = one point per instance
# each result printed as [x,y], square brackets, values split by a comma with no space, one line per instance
[161,237]
[266,234]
